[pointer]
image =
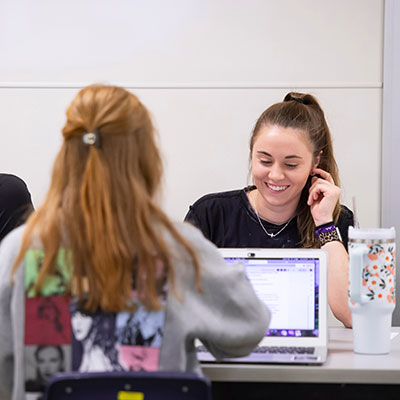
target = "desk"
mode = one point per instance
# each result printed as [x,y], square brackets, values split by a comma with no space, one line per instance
[344,374]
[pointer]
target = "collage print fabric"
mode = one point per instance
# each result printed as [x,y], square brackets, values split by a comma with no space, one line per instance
[61,336]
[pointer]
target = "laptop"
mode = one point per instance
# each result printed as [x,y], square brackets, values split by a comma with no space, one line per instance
[293,284]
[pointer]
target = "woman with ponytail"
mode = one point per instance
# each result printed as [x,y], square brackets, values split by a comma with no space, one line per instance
[125,280]
[294,199]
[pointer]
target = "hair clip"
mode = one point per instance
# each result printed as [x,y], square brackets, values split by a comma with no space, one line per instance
[92,138]
[298,99]
[289,97]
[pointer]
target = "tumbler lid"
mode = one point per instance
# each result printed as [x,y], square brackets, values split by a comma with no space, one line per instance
[372,233]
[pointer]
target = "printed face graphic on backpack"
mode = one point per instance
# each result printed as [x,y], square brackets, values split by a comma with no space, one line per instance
[81,325]
[49,362]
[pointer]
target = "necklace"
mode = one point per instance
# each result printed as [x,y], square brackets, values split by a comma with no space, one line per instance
[271,235]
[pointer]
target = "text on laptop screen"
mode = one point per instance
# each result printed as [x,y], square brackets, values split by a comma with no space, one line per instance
[290,289]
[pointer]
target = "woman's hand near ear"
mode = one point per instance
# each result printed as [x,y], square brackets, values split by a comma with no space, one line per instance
[322,199]
[323,196]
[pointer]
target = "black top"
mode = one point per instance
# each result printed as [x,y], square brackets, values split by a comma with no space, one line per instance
[15,203]
[228,220]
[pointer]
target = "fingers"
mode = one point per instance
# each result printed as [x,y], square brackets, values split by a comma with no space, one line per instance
[323,196]
[321,188]
[315,194]
[323,174]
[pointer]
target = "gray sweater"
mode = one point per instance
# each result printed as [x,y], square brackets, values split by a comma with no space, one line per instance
[227,317]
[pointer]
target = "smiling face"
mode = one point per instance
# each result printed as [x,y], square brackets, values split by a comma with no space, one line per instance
[282,159]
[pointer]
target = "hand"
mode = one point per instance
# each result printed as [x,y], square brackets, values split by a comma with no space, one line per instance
[324,195]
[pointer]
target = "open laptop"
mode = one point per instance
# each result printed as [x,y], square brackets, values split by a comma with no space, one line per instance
[293,284]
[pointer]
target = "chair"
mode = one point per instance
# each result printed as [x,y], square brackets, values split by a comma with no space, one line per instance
[161,385]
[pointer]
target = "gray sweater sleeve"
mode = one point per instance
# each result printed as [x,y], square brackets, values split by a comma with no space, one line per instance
[227,316]
[12,319]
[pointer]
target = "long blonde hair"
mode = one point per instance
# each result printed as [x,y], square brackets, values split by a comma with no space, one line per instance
[302,111]
[100,204]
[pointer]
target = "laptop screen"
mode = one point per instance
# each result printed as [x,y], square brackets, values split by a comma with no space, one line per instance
[290,289]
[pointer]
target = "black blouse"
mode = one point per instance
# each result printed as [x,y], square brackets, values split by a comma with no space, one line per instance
[228,220]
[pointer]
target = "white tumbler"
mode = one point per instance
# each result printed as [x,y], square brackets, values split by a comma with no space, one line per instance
[372,274]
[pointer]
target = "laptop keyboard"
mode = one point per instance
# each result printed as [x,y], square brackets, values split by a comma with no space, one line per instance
[284,350]
[273,350]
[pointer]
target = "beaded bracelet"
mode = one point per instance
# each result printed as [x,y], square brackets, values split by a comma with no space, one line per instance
[328,233]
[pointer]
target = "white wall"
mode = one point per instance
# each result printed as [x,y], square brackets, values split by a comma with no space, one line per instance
[191,41]
[206,69]
[390,129]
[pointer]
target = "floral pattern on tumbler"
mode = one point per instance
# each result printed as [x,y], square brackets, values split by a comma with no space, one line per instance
[378,276]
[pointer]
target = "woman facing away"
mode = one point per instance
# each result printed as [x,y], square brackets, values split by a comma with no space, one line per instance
[100,249]
[294,201]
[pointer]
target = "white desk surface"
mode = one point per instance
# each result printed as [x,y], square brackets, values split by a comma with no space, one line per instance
[341,366]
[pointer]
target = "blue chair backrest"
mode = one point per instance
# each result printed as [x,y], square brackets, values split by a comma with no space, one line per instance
[160,385]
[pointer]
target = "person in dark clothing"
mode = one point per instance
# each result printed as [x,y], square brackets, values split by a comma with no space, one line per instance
[295,200]
[15,203]
[228,220]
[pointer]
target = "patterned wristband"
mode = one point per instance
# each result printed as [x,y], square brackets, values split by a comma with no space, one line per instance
[328,233]
[329,226]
